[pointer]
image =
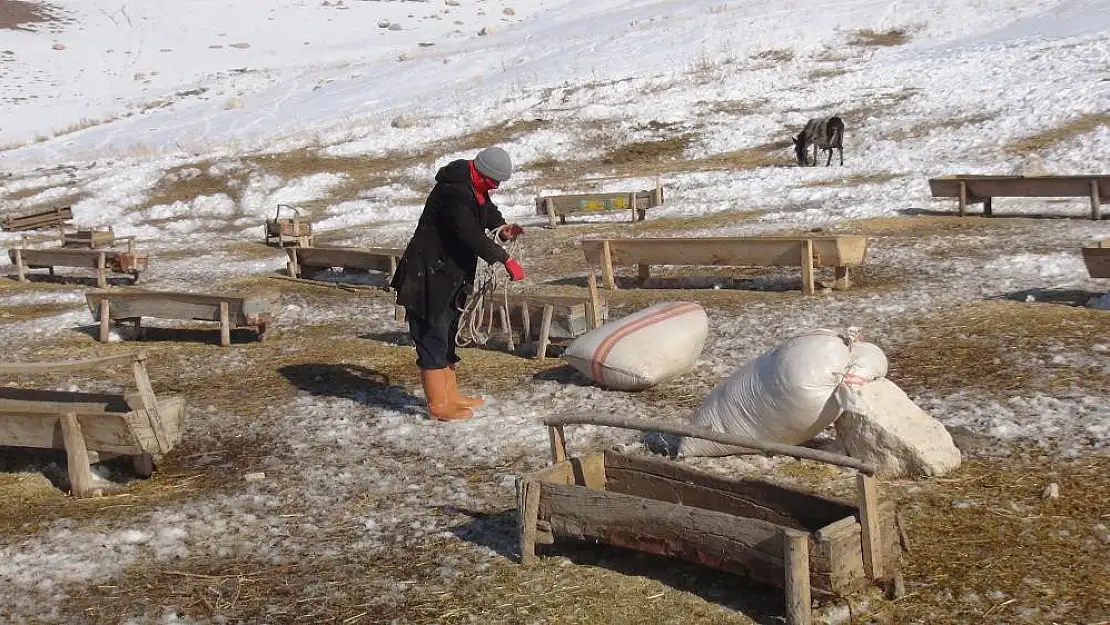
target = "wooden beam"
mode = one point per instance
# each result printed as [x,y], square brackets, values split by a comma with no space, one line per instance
[798,595]
[988,209]
[225,325]
[645,425]
[962,199]
[291,266]
[807,267]
[869,521]
[105,320]
[150,404]
[526,320]
[20,268]
[77,456]
[549,206]
[68,365]
[558,441]
[1096,208]
[595,298]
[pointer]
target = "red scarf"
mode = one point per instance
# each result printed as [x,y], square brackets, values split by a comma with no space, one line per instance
[482,185]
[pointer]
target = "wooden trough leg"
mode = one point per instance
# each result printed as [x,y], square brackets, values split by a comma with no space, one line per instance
[526,321]
[558,441]
[545,331]
[1096,208]
[20,268]
[807,267]
[291,266]
[549,205]
[225,325]
[607,266]
[841,278]
[869,522]
[399,313]
[77,456]
[632,205]
[988,210]
[595,299]
[962,206]
[643,272]
[101,272]
[528,506]
[796,558]
[143,465]
[105,319]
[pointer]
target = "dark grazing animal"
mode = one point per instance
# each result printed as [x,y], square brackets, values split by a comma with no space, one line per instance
[820,132]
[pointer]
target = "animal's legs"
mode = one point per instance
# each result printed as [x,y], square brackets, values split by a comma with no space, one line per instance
[841,149]
[828,161]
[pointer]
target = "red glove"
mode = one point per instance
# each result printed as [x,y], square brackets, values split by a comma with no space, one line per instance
[511,232]
[516,272]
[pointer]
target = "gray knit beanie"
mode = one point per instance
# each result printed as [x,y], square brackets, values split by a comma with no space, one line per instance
[495,163]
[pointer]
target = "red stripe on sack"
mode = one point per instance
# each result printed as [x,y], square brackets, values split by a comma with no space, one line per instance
[606,346]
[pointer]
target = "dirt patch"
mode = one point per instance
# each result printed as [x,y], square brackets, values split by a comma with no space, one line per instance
[1044,140]
[20,15]
[923,129]
[853,180]
[13,314]
[1001,347]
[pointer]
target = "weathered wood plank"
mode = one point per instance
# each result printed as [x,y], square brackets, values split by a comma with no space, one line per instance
[370,259]
[1096,257]
[1018,186]
[68,365]
[828,251]
[34,219]
[798,597]
[242,311]
[77,456]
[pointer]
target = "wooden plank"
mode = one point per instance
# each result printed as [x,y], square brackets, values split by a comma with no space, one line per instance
[105,320]
[101,271]
[77,456]
[829,251]
[292,266]
[68,257]
[242,311]
[149,404]
[869,521]
[1018,186]
[595,298]
[21,269]
[606,262]
[962,205]
[558,442]
[225,325]
[780,504]
[798,597]
[645,425]
[713,538]
[1096,206]
[549,208]
[1097,259]
[807,267]
[36,218]
[68,365]
[34,427]
[371,259]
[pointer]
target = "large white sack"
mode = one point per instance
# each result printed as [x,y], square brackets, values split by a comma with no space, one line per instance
[786,395]
[642,349]
[883,427]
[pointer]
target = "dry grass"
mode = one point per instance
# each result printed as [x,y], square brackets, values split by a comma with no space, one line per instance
[999,347]
[185,183]
[736,107]
[778,55]
[853,180]
[826,72]
[917,226]
[644,153]
[871,38]
[20,15]
[925,128]
[13,314]
[1045,140]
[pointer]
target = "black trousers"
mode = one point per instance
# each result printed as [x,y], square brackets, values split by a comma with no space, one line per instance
[435,339]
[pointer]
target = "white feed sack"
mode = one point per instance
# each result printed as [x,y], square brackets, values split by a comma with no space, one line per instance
[883,427]
[642,349]
[787,394]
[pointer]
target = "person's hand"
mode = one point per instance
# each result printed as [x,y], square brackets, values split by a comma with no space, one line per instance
[516,272]
[511,231]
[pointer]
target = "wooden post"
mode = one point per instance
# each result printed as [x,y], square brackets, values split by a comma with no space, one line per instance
[392,268]
[988,210]
[807,267]
[105,319]
[869,522]
[558,443]
[632,205]
[595,298]
[101,271]
[549,206]
[528,507]
[150,404]
[842,278]
[526,320]
[20,268]
[963,198]
[1096,208]
[507,327]
[225,325]
[796,560]
[77,456]
[643,272]
[545,331]
[607,265]
[291,266]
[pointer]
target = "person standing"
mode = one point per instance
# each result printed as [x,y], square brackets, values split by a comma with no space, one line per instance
[437,270]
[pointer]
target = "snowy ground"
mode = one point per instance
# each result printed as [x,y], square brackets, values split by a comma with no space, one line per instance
[185,124]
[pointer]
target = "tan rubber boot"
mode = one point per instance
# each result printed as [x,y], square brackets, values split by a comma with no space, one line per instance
[441,406]
[469,401]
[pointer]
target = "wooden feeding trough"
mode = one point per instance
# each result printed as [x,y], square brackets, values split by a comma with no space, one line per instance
[230,311]
[785,536]
[561,318]
[285,231]
[36,218]
[103,261]
[347,259]
[968,189]
[1097,258]
[839,252]
[91,426]
[557,207]
[91,239]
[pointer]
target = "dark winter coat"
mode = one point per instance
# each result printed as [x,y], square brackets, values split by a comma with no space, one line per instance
[442,256]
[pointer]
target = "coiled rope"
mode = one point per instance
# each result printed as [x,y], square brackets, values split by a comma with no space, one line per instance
[477,318]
